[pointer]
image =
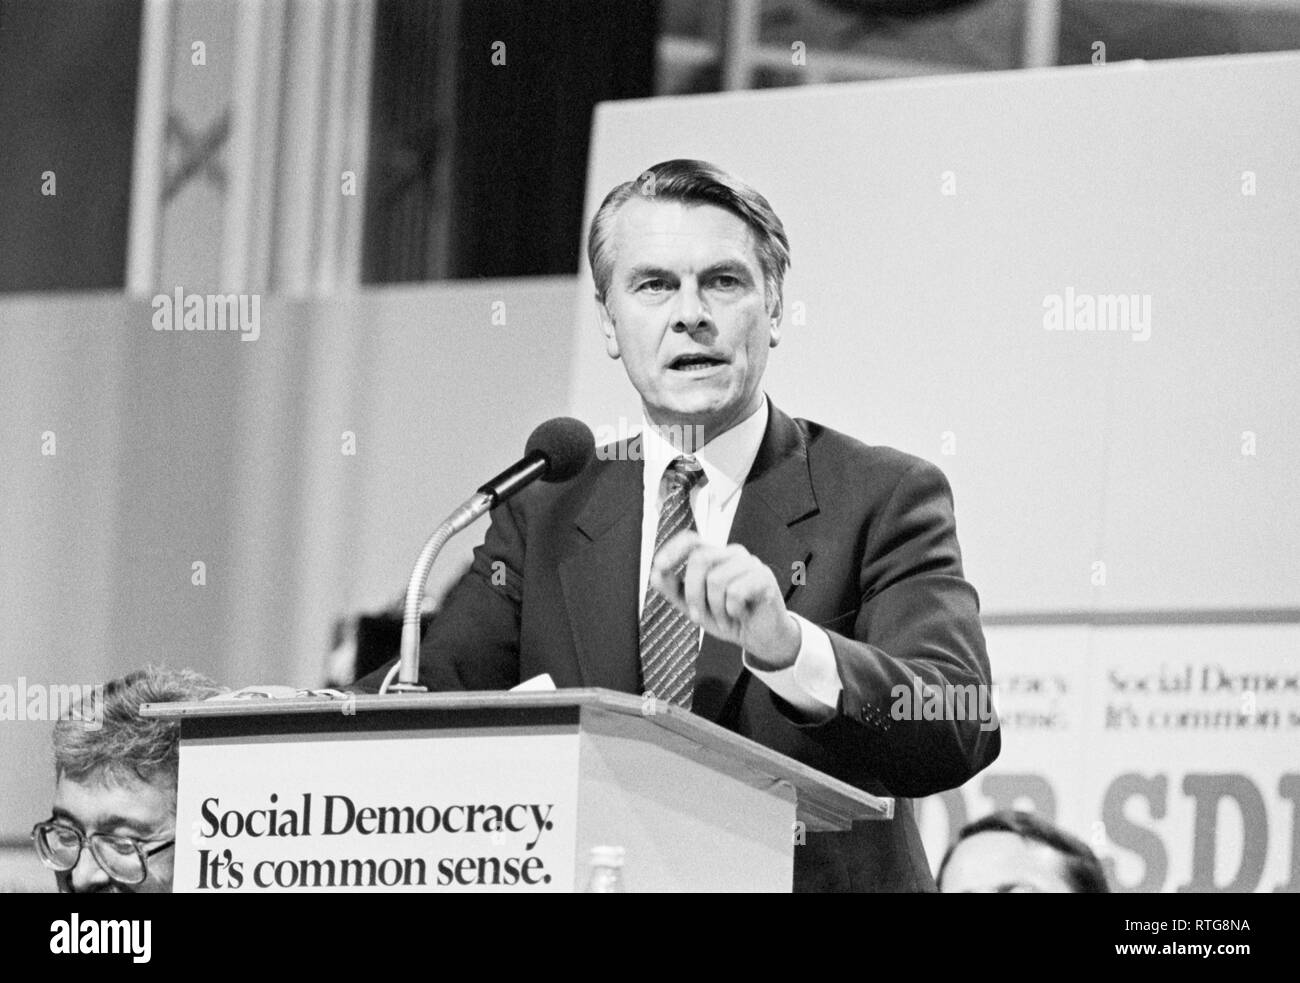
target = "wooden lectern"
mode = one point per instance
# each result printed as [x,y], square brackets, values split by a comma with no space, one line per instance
[486,792]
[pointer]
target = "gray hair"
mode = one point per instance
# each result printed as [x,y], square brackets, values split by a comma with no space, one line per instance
[694,182]
[124,745]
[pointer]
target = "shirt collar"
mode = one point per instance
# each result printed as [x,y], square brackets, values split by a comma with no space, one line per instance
[727,459]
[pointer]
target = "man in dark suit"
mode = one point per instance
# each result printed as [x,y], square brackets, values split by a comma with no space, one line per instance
[777,577]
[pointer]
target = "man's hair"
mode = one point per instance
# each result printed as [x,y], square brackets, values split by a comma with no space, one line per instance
[112,743]
[1083,870]
[693,182]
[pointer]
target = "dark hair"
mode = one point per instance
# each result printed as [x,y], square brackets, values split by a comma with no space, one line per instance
[694,182]
[1083,870]
[104,737]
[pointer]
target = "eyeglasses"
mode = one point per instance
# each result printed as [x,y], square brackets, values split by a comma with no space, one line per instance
[123,858]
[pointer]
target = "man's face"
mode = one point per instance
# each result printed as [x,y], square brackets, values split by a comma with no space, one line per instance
[998,861]
[132,808]
[685,310]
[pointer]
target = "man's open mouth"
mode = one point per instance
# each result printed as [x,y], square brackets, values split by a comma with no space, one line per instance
[695,363]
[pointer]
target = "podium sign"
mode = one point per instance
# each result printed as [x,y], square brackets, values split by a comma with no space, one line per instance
[415,813]
[485,792]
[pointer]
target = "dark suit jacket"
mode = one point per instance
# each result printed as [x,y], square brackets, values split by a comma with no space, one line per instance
[864,540]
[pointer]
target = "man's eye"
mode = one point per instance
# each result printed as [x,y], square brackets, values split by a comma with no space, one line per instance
[653,286]
[726,281]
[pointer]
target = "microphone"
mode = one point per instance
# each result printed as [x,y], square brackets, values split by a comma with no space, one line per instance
[556,451]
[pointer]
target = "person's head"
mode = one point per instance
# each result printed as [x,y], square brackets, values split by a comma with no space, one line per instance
[115,780]
[1013,852]
[689,265]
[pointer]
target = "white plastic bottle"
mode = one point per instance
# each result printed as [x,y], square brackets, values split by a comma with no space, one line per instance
[606,870]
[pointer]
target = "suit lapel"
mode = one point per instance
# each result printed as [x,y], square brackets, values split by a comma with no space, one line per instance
[599,579]
[599,576]
[777,494]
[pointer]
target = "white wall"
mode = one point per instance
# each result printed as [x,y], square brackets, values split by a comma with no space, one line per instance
[924,312]
[183,447]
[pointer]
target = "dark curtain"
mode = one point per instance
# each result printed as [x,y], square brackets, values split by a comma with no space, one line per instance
[521,160]
[489,179]
[68,73]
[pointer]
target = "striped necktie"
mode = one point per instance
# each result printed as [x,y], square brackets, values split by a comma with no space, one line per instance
[669,639]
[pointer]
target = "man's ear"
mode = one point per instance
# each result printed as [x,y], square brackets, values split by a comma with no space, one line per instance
[607,328]
[774,317]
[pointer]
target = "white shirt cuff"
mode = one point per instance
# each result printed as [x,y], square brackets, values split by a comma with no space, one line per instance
[812,685]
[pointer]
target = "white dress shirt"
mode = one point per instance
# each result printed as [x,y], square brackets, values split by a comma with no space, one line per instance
[812,684]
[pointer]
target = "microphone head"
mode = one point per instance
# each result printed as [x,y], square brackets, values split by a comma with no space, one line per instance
[567,444]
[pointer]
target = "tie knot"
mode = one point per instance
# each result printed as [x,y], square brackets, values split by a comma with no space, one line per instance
[684,473]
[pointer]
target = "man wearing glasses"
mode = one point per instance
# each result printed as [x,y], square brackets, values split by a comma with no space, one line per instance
[114,816]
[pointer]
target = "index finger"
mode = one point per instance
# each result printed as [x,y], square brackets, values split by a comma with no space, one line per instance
[674,553]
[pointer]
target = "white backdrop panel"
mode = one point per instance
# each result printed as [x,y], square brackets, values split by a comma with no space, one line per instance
[915,318]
